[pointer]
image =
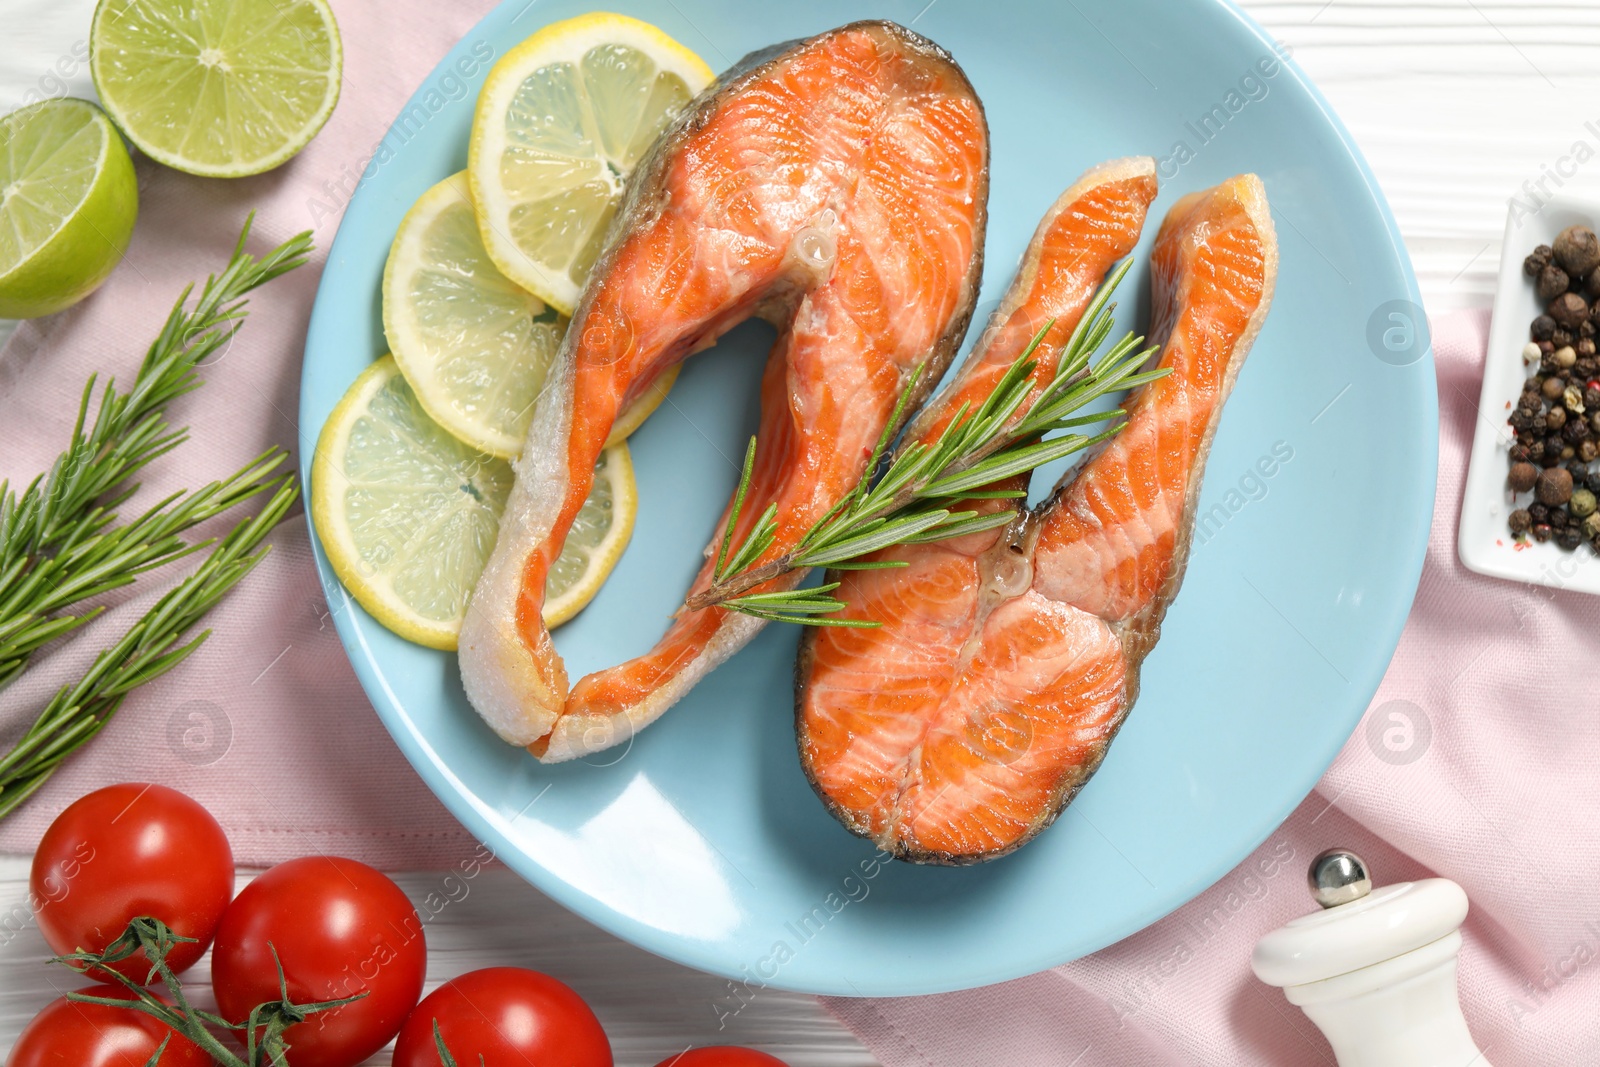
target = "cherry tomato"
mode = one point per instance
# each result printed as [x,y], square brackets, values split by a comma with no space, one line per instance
[722,1056]
[339,928]
[508,1016]
[126,851]
[65,1034]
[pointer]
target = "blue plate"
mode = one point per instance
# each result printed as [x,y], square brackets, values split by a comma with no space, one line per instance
[703,842]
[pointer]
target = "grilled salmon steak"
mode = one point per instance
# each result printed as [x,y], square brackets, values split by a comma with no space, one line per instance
[1007,661]
[838,188]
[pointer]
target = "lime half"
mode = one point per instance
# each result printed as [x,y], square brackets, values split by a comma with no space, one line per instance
[68,200]
[220,88]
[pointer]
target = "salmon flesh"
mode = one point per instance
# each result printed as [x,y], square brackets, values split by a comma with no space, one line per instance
[837,187]
[1008,660]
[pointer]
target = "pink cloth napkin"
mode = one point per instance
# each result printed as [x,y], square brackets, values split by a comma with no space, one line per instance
[266,724]
[1493,784]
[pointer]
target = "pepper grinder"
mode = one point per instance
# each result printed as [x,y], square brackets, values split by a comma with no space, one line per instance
[1375,969]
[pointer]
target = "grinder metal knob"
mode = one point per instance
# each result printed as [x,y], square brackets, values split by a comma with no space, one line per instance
[1338,876]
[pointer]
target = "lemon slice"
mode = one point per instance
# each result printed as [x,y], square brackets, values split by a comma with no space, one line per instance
[220,88]
[561,122]
[68,199]
[474,345]
[408,514]
[596,540]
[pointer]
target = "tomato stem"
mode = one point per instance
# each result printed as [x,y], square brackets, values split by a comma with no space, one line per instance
[156,940]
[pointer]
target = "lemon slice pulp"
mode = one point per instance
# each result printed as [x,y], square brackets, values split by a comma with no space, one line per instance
[561,123]
[408,514]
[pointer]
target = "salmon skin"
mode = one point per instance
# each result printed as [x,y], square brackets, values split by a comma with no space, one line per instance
[837,187]
[1008,660]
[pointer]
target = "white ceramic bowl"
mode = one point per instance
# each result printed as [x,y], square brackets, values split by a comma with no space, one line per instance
[1483,539]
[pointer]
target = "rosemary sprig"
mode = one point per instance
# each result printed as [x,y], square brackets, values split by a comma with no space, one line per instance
[916,498]
[263,1029]
[100,562]
[53,523]
[149,648]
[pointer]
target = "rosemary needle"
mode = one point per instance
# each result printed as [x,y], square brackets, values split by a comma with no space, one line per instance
[916,499]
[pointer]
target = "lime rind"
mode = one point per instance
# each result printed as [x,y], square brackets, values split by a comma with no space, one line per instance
[218,88]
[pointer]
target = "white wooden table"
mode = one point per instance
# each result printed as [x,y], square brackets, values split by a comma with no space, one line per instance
[1457,104]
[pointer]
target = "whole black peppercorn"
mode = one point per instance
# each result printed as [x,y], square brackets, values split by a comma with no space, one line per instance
[1577,249]
[1586,328]
[1540,512]
[1522,477]
[1575,430]
[1568,309]
[1519,453]
[1586,367]
[1591,396]
[1546,347]
[1558,519]
[1551,283]
[1554,446]
[1520,419]
[1569,537]
[1560,336]
[1521,522]
[1554,486]
[1542,531]
[1592,482]
[1579,472]
[1542,328]
[1537,260]
[1527,439]
[1536,451]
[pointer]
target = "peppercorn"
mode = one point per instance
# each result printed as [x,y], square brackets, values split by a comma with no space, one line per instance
[1542,531]
[1551,283]
[1587,328]
[1591,394]
[1542,328]
[1572,397]
[1558,518]
[1530,352]
[1522,477]
[1569,538]
[1548,364]
[1575,430]
[1577,249]
[1554,486]
[1585,347]
[1568,309]
[1540,512]
[1519,419]
[1586,367]
[1535,451]
[1527,439]
[1591,525]
[1554,419]
[1560,336]
[1519,453]
[1521,522]
[1579,471]
[1582,504]
[1588,450]
[1592,482]
[1567,452]
[1553,387]
[1565,356]
[1538,260]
